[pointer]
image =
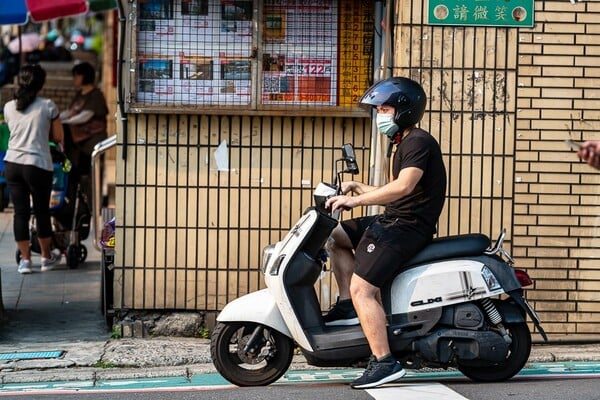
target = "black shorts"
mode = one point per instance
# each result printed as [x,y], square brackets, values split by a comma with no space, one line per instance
[382,247]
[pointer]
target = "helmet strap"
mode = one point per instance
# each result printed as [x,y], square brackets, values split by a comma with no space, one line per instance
[389,149]
[396,139]
[393,141]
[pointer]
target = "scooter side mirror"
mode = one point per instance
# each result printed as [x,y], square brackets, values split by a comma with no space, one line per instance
[350,159]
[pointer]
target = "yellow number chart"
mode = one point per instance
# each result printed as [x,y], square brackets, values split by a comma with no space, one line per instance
[355,50]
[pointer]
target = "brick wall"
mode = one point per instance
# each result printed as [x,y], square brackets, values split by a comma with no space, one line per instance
[557,203]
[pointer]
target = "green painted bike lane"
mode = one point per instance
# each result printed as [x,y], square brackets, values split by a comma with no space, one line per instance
[213,380]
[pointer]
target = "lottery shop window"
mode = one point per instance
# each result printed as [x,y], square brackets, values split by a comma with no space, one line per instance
[252,55]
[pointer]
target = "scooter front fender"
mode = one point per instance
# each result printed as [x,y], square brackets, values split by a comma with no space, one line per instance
[259,307]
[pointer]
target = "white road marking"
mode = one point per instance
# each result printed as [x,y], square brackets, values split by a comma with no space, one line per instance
[421,391]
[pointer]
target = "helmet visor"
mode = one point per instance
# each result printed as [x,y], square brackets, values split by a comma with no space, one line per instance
[378,94]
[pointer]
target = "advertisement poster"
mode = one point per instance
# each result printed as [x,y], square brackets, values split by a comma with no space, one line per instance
[235,77]
[156,20]
[156,79]
[194,51]
[195,22]
[236,20]
[297,80]
[196,79]
[299,63]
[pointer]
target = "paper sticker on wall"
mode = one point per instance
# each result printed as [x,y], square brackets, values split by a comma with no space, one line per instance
[222,157]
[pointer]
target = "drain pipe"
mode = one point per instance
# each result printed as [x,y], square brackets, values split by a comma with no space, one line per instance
[120,66]
[382,50]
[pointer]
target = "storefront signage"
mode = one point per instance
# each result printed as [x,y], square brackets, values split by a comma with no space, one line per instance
[481,12]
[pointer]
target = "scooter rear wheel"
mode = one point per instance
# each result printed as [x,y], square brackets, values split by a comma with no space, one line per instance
[267,363]
[515,360]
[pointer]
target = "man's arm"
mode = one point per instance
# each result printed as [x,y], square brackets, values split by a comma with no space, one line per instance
[356,187]
[394,190]
[398,188]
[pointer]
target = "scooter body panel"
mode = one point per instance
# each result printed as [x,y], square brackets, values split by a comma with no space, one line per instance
[259,307]
[440,284]
[285,251]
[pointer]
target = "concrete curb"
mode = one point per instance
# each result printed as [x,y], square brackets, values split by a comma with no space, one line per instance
[172,357]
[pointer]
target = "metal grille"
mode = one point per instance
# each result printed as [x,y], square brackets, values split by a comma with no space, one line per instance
[469,75]
[205,194]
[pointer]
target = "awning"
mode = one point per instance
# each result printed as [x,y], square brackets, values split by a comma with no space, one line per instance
[17,12]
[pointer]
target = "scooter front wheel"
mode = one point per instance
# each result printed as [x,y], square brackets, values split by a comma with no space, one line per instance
[513,363]
[250,354]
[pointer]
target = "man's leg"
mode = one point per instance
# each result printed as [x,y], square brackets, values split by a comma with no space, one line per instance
[341,259]
[371,315]
[383,367]
[342,262]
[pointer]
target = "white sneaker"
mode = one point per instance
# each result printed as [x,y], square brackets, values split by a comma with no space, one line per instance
[24,267]
[49,263]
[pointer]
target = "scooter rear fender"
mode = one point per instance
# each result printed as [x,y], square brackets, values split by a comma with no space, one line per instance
[259,307]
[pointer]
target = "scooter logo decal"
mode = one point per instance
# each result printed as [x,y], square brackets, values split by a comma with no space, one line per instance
[370,248]
[425,302]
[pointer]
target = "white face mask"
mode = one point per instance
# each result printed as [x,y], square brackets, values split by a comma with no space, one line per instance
[386,125]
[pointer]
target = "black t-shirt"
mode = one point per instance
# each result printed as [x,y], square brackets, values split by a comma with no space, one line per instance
[423,206]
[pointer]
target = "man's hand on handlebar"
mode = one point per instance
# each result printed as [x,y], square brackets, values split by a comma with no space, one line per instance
[347,187]
[340,202]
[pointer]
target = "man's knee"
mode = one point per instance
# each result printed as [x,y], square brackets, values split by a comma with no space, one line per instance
[331,245]
[338,240]
[361,289]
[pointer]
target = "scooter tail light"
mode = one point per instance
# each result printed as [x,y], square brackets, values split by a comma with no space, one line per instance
[523,278]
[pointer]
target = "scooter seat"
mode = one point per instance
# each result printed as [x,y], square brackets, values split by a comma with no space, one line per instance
[472,244]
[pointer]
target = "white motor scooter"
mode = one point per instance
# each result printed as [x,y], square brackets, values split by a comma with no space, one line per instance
[444,311]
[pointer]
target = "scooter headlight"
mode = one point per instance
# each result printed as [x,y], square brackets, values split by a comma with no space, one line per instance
[276,264]
[266,257]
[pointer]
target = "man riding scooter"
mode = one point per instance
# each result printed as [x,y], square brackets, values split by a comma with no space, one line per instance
[368,252]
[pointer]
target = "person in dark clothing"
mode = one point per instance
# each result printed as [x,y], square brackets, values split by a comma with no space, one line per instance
[32,121]
[85,123]
[368,252]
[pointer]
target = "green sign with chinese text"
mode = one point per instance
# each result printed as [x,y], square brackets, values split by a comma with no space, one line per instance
[481,12]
